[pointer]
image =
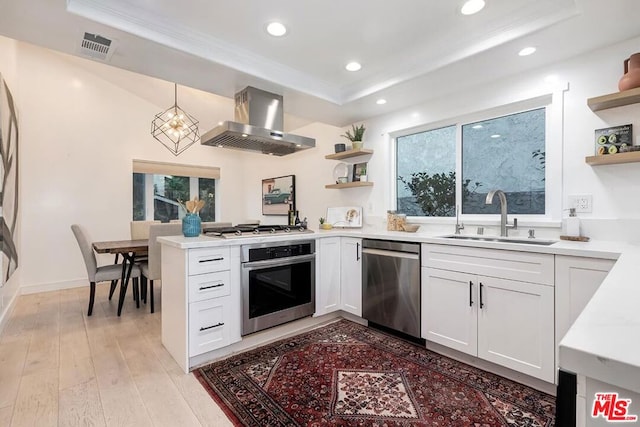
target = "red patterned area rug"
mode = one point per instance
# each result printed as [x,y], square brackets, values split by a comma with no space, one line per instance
[345,374]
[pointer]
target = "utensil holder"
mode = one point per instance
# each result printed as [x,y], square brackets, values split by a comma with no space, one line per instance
[191,225]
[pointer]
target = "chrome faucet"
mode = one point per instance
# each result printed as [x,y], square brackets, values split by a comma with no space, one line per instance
[504,224]
[459,225]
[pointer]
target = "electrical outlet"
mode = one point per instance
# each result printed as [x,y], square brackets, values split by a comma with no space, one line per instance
[583,203]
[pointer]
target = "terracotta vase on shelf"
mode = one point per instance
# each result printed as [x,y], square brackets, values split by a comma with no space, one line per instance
[631,77]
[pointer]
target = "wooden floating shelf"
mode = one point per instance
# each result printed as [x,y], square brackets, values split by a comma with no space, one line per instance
[350,184]
[349,153]
[612,100]
[614,159]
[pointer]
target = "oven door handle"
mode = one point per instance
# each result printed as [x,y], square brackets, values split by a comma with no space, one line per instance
[277,262]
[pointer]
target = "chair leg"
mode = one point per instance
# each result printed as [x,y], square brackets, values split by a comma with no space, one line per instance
[92,297]
[151,294]
[143,289]
[123,292]
[136,292]
[114,283]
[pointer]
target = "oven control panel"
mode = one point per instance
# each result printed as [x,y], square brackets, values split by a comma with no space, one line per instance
[274,251]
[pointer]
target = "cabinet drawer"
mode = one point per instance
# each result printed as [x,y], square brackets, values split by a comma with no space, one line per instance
[210,285]
[208,328]
[208,260]
[514,265]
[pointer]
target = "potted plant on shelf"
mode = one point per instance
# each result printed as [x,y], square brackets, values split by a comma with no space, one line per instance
[355,135]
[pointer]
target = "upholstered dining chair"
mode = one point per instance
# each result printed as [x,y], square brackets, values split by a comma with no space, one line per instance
[98,274]
[151,269]
[140,229]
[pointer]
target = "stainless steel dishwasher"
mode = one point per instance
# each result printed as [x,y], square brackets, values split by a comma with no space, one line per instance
[391,285]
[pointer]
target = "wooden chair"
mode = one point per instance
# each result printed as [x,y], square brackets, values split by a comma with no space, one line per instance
[98,274]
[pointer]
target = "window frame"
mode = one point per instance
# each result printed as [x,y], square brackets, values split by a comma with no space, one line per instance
[150,168]
[553,104]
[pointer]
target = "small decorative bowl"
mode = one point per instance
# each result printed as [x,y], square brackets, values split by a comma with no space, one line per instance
[326,226]
[341,180]
[411,228]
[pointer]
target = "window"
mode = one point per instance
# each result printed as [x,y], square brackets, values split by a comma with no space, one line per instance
[426,168]
[160,190]
[506,152]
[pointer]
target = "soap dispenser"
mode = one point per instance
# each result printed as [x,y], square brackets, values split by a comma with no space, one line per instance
[573,223]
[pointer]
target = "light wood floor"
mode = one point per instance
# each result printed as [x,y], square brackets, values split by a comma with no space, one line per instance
[59,367]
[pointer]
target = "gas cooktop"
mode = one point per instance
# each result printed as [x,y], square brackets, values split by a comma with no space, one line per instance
[253,230]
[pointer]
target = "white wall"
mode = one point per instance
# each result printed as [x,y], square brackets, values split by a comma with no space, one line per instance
[82,124]
[616,207]
[8,69]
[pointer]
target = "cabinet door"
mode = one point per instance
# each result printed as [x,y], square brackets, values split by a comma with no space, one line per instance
[577,279]
[351,275]
[210,325]
[328,284]
[516,327]
[449,309]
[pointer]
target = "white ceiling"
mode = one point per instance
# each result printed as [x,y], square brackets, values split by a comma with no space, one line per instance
[411,50]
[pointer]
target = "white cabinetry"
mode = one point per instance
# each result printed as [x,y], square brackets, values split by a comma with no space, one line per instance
[351,275]
[328,276]
[493,304]
[577,279]
[203,286]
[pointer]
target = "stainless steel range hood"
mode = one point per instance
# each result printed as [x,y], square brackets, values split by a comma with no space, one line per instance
[257,126]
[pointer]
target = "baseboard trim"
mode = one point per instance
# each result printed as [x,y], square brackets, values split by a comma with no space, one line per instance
[50,287]
[4,316]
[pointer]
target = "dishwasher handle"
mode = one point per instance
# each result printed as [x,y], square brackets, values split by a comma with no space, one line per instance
[395,254]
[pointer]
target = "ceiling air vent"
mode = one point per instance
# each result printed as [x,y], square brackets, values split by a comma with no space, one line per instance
[96,47]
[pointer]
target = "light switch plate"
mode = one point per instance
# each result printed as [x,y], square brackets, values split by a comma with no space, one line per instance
[583,203]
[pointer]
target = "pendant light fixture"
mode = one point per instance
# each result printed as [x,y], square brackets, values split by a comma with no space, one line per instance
[174,128]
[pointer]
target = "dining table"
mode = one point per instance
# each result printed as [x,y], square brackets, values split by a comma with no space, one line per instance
[129,250]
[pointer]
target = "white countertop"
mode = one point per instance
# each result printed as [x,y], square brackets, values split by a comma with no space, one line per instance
[604,341]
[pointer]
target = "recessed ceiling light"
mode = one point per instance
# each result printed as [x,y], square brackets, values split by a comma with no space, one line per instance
[353,66]
[527,51]
[472,6]
[381,101]
[276,29]
[495,135]
[244,135]
[415,115]
[476,127]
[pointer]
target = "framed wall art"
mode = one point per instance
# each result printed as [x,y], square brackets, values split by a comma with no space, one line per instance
[277,194]
[9,138]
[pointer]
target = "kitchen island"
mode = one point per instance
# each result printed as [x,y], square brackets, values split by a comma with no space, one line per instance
[599,346]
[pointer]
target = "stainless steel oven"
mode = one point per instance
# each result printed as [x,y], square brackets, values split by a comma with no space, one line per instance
[278,283]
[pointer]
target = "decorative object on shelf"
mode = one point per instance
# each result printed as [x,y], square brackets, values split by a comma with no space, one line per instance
[345,216]
[612,140]
[341,173]
[191,223]
[174,128]
[631,77]
[359,170]
[279,195]
[355,135]
[325,225]
[339,148]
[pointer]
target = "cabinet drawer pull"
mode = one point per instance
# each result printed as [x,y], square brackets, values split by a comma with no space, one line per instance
[204,328]
[202,288]
[481,303]
[211,259]
[470,293]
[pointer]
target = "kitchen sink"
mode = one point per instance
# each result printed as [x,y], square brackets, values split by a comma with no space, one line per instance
[501,239]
